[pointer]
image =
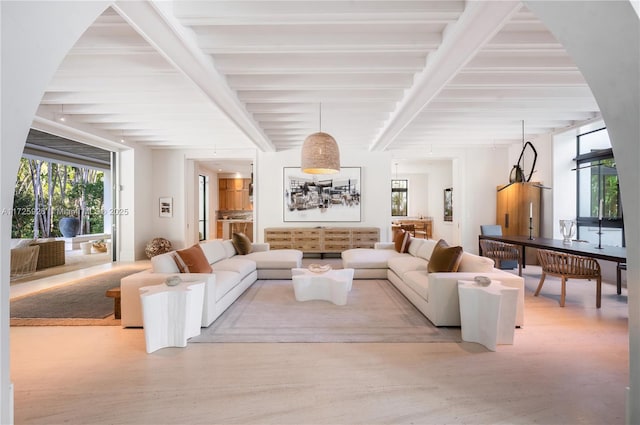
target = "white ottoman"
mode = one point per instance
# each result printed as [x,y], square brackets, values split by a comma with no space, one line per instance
[332,285]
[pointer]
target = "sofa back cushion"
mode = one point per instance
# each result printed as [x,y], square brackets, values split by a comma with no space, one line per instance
[414,246]
[401,241]
[192,260]
[444,258]
[229,248]
[474,263]
[164,263]
[426,249]
[214,251]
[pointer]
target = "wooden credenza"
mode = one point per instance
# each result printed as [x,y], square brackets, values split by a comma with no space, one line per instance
[321,240]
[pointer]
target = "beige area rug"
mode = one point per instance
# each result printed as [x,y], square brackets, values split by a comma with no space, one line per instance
[375,312]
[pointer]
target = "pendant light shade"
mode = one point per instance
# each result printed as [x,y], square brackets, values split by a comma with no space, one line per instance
[320,153]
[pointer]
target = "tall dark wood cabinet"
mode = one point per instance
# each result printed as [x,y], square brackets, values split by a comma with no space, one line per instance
[515,204]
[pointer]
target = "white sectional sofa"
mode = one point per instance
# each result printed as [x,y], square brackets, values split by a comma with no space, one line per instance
[434,294]
[232,274]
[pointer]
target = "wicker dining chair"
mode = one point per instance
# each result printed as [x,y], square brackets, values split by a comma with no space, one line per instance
[569,266]
[501,251]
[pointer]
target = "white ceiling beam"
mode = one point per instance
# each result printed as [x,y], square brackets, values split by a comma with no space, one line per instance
[319,62]
[327,38]
[519,79]
[142,97]
[320,81]
[291,12]
[479,22]
[509,114]
[363,106]
[527,61]
[173,43]
[581,104]
[315,96]
[494,93]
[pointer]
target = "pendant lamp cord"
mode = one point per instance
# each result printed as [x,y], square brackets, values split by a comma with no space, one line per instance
[320,113]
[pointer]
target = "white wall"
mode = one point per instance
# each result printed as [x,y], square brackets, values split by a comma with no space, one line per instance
[417,194]
[213,198]
[439,178]
[35,37]
[168,178]
[376,190]
[481,170]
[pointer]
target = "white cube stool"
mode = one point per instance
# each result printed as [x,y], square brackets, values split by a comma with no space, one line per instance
[171,314]
[487,313]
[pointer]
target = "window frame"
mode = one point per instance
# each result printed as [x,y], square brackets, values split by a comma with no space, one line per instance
[594,160]
[402,190]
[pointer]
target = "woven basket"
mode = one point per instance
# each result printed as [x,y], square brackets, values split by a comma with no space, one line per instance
[100,246]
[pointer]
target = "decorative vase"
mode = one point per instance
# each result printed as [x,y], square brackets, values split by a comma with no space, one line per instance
[567,230]
[69,226]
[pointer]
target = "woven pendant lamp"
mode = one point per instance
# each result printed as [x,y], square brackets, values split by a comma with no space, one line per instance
[320,153]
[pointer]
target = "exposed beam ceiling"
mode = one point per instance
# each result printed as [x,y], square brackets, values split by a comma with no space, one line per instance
[251,75]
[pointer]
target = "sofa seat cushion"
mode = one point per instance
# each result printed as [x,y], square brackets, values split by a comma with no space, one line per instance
[275,259]
[236,264]
[406,263]
[418,280]
[366,258]
[225,281]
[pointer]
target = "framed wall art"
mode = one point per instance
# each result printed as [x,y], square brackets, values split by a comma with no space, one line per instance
[448,204]
[327,197]
[166,207]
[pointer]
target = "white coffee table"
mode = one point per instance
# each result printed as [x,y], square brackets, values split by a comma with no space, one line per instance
[171,314]
[487,313]
[332,285]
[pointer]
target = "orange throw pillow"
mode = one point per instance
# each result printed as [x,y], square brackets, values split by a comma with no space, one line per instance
[192,260]
[401,241]
[444,258]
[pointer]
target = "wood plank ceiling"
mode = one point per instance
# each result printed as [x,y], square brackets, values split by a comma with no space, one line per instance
[386,75]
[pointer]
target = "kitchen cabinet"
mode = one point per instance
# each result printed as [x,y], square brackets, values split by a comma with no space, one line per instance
[233,195]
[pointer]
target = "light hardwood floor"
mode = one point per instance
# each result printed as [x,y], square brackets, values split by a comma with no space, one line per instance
[568,365]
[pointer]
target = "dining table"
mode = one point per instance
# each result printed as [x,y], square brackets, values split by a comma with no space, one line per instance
[616,254]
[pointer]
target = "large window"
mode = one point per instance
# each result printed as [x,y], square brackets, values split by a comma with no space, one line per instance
[598,190]
[399,191]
